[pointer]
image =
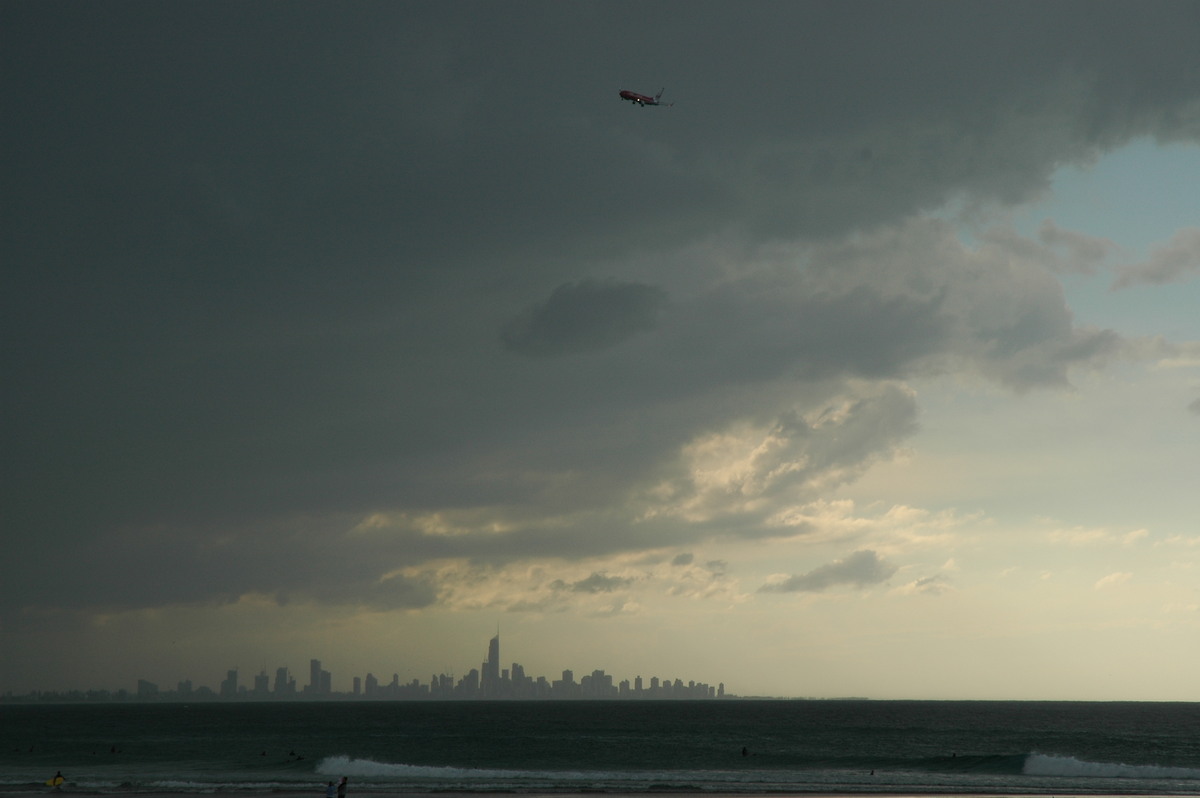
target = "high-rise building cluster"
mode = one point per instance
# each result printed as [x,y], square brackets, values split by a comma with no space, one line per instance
[489,681]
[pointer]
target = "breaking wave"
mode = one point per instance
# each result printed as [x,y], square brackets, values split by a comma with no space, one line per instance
[367,768]
[1069,766]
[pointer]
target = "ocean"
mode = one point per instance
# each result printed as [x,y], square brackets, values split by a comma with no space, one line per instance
[571,747]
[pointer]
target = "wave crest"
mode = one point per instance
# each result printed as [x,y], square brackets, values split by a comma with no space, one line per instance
[368,768]
[1049,765]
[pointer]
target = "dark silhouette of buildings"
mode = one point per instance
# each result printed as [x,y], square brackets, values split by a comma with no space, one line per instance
[488,682]
[491,682]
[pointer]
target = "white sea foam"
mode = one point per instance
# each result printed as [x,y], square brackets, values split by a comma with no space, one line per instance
[186,786]
[1047,765]
[336,766]
[367,768]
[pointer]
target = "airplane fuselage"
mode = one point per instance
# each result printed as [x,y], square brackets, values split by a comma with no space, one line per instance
[638,99]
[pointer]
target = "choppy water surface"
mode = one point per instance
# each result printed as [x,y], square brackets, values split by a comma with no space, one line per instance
[620,746]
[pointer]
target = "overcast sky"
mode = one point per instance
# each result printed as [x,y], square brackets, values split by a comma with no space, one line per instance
[357,330]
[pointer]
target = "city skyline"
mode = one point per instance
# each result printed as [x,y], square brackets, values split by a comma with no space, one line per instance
[490,681]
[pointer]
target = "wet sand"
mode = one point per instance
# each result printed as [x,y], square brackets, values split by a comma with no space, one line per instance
[319,792]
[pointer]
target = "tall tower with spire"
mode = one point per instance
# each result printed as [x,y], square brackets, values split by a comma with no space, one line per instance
[490,680]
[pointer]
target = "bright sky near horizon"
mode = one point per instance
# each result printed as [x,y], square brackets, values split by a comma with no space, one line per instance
[871,367]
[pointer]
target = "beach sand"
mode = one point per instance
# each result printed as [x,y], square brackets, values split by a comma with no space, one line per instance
[319,792]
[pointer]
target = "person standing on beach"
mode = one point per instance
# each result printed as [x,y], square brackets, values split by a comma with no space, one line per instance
[330,790]
[341,790]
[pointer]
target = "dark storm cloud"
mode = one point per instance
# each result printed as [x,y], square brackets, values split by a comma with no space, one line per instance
[861,569]
[257,256]
[764,327]
[584,315]
[997,307]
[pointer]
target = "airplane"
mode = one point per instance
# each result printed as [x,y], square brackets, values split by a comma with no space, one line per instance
[642,99]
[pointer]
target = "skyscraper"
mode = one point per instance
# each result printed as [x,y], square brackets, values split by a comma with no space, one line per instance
[262,684]
[489,682]
[314,675]
[229,687]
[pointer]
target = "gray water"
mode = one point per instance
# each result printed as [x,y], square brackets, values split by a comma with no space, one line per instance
[752,747]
